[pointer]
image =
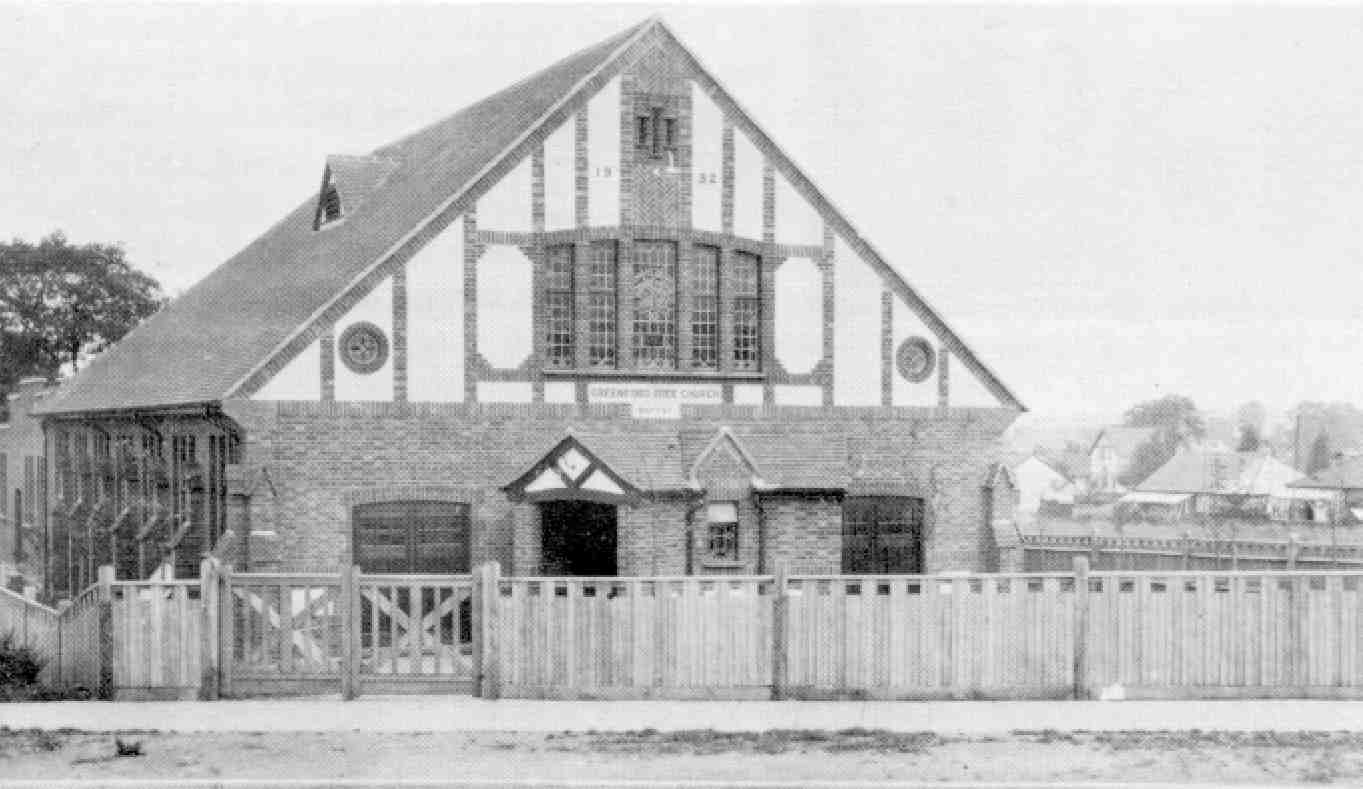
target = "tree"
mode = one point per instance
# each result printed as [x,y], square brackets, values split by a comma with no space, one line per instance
[1254,414]
[1176,421]
[1175,416]
[1320,455]
[1249,439]
[60,303]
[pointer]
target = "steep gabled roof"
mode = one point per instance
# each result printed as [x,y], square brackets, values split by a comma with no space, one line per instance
[200,347]
[267,302]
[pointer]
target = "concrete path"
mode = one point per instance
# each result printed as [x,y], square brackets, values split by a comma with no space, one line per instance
[462,713]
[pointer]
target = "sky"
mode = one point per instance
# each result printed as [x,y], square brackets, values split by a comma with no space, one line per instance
[1109,203]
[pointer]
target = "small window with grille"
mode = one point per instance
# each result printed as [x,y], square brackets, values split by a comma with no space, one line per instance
[558,304]
[747,344]
[722,531]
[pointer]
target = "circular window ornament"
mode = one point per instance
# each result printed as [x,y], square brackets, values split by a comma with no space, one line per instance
[915,359]
[364,348]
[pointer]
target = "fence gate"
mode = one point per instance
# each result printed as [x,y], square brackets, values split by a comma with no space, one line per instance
[345,632]
[415,633]
[281,634]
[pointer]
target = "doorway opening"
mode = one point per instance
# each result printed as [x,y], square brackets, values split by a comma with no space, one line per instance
[577,538]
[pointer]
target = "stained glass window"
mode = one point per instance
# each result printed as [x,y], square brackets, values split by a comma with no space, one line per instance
[655,304]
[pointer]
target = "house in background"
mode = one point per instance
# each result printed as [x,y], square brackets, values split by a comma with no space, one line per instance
[1200,482]
[23,468]
[1042,485]
[1111,454]
[1334,495]
[595,324]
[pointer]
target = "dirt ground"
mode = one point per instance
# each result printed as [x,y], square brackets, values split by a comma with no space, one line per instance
[805,756]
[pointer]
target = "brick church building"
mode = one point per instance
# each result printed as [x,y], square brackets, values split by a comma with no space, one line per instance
[597,323]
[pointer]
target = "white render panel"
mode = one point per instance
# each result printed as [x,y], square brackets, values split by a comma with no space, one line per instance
[856,329]
[600,482]
[301,378]
[435,319]
[798,315]
[907,393]
[967,391]
[375,308]
[505,308]
[747,187]
[560,392]
[796,220]
[506,206]
[707,162]
[603,156]
[504,392]
[801,394]
[747,394]
[558,179]
[547,480]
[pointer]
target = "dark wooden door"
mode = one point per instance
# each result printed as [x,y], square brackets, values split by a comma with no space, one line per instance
[882,534]
[412,537]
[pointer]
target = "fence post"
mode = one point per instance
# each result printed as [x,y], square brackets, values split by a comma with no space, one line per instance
[208,629]
[780,627]
[227,632]
[1293,547]
[105,579]
[1187,550]
[488,680]
[350,632]
[1081,626]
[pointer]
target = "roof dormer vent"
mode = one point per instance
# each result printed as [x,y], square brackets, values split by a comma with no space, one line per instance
[347,182]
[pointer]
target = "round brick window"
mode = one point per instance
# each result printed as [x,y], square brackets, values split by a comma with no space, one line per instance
[915,359]
[363,347]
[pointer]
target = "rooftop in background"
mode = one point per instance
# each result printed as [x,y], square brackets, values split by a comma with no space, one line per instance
[1229,473]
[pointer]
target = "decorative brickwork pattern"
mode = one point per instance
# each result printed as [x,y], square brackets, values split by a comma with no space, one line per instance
[581,189]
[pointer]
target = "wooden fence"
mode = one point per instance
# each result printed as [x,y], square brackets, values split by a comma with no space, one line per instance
[1031,635]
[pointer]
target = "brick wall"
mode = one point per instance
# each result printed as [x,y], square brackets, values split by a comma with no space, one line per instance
[322,458]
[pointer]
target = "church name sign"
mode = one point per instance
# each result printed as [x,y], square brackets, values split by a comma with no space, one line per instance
[655,401]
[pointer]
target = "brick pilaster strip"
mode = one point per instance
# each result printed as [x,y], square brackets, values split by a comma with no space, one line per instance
[829,312]
[768,204]
[685,124]
[581,191]
[627,148]
[472,252]
[400,334]
[327,345]
[726,190]
[886,348]
[537,188]
[943,377]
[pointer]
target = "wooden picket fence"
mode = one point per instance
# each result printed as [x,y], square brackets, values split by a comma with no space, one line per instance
[1029,635]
